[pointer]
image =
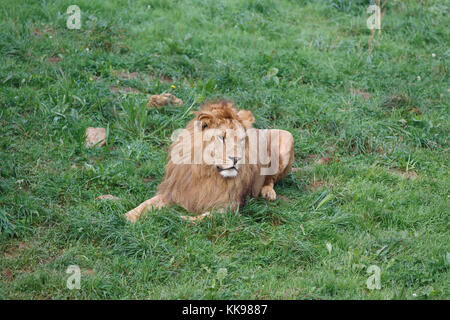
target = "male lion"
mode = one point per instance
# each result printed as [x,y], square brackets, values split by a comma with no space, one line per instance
[235,161]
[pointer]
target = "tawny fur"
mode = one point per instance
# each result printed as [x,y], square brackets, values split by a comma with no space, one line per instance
[199,187]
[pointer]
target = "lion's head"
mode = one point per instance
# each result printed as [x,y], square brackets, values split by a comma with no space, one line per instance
[208,162]
[224,137]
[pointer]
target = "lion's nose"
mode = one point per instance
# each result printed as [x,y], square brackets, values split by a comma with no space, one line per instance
[235,159]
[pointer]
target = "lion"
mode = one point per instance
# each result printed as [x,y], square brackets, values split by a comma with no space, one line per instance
[226,174]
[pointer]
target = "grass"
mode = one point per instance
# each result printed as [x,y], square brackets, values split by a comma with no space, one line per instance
[369,117]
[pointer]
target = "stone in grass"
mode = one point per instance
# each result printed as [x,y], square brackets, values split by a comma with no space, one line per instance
[106,197]
[95,137]
[164,100]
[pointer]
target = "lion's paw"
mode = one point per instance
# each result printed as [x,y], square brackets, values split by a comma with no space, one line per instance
[268,193]
[132,216]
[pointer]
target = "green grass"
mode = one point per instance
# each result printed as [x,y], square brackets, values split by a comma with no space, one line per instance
[377,109]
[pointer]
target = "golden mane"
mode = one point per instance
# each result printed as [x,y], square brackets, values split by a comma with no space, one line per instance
[200,187]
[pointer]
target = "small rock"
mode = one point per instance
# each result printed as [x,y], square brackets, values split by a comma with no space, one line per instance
[164,100]
[106,197]
[95,137]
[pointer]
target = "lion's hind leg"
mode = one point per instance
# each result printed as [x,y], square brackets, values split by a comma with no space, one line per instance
[156,202]
[285,158]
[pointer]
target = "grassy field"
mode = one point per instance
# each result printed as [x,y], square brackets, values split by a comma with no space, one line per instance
[369,114]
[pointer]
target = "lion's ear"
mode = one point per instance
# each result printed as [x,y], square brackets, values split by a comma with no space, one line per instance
[206,119]
[247,118]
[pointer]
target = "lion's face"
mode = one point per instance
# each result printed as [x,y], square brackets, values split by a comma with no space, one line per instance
[209,160]
[226,148]
[224,141]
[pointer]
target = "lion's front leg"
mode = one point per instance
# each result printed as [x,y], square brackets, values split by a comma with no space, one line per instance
[285,158]
[156,202]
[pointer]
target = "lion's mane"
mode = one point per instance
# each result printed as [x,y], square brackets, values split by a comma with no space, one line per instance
[200,187]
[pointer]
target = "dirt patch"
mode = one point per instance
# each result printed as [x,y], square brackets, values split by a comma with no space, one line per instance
[415,110]
[161,78]
[165,79]
[276,221]
[7,275]
[319,159]
[13,251]
[106,197]
[363,94]
[324,160]
[410,175]
[127,75]
[38,32]
[397,101]
[89,272]
[316,185]
[54,60]
[124,89]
